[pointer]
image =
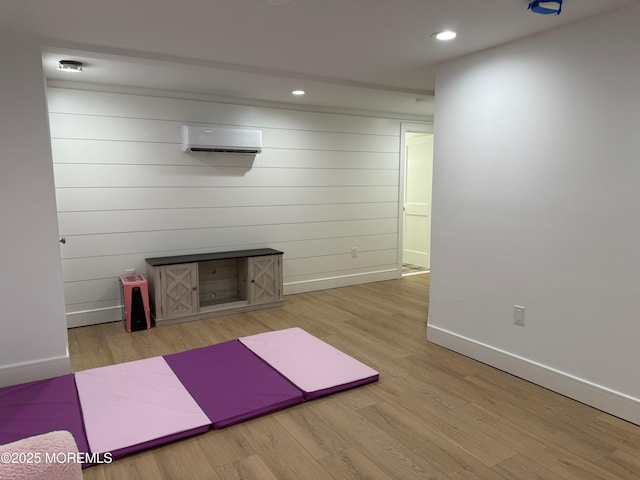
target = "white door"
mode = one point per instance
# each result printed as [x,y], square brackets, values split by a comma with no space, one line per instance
[417,200]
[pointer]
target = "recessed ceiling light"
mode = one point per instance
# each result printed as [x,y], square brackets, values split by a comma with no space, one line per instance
[298,92]
[445,35]
[70,66]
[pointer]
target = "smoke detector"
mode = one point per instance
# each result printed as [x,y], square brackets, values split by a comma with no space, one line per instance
[70,66]
[551,7]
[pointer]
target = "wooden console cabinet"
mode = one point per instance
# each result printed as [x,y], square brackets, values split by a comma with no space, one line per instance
[193,287]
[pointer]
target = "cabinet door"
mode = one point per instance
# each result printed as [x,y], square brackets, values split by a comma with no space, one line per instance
[265,279]
[179,289]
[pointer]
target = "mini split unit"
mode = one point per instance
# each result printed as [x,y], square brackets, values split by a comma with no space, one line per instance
[204,138]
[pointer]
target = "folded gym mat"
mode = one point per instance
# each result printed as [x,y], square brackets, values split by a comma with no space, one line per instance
[39,407]
[121,409]
[314,366]
[232,384]
[136,405]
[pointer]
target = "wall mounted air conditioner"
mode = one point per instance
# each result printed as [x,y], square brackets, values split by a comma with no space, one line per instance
[199,138]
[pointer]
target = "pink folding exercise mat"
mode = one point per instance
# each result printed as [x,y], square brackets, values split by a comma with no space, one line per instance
[136,405]
[125,408]
[312,365]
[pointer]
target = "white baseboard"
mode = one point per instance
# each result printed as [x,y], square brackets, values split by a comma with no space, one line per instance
[415,257]
[37,370]
[114,314]
[598,396]
[292,288]
[94,317]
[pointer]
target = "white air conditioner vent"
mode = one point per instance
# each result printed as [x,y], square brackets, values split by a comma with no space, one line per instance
[203,138]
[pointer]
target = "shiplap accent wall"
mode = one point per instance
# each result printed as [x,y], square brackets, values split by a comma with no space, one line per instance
[323,184]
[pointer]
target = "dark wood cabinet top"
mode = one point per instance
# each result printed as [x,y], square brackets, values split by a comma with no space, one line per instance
[203,257]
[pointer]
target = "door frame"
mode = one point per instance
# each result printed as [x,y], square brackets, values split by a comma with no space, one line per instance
[404,129]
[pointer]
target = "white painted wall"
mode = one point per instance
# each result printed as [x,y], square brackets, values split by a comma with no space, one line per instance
[324,183]
[33,337]
[536,197]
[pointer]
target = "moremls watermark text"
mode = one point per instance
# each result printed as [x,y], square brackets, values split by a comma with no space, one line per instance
[55,457]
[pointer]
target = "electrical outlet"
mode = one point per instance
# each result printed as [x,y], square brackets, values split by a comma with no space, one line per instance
[354,252]
[518,315]
[130,271]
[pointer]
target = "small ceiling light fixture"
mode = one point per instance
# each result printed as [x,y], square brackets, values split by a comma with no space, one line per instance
[546,7]
[298,92]
[445,35]
[70,66]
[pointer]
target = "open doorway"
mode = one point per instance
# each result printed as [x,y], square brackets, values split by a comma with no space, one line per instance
[415,221]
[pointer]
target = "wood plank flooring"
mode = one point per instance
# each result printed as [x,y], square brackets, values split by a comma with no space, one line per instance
[434,414]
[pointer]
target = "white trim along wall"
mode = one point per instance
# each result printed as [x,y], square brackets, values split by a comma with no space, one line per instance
[324,184]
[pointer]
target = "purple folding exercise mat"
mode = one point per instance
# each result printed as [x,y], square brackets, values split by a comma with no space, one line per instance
[39,407]
[314,366]
[231,384]
[125,408]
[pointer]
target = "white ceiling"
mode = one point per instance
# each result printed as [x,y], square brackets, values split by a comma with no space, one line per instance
[374,55]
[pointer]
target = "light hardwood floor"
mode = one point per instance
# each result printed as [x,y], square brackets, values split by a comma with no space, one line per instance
[434,414]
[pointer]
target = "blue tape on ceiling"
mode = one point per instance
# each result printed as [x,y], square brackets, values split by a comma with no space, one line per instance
[545,7]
